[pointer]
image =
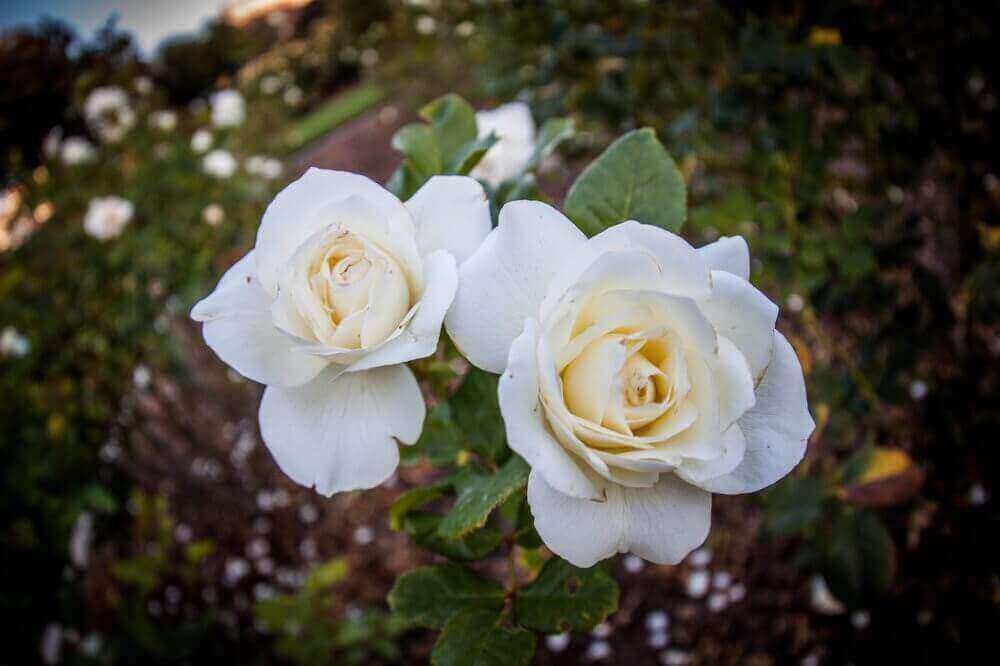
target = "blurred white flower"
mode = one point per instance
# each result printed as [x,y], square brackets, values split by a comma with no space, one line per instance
[633,564]
[701,558]
[201,141]
[219,163]
[514,127]
[107,217]
[369,58]
[143,85]
[557,642]
[13,344]
[918,389]
[52,142]
[80,539]
[77,150]
[657,621]
[718,601]
[697,584]
[50,648]
[861,619]
[364,535]
[795,303]
[293,96]
[270,84]
[228,108]
[465,29]
[236,569]
[141,376]
[213,215]
[165,120]
[109,113]
[598,651]
[426,25]
[263,166]
[822,599]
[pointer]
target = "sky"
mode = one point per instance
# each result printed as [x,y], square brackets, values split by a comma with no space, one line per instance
[150,21]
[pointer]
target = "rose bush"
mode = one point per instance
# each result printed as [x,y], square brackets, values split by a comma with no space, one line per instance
[345,284]
[639,376]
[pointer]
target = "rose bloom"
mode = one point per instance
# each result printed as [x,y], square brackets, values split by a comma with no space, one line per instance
[228,108]
[213,215]
[515,128]
[164,120]
[109,112]
[201,141]
[639,376]
[344,285]
[219,163]
[77,150]
[107,217]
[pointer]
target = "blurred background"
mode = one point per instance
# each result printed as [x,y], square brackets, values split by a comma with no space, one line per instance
[852,142]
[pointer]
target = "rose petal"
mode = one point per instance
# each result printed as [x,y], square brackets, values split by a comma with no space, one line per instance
[735,382]
[730,254]
[450,213]
[504,281]
[341,435]
[321,198]
[661,524]
[238,328]
[419,337]
[734,448]
[527,432]
[777,428]
[743,314]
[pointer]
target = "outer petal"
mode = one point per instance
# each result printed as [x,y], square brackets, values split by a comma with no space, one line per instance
[697,471]
[504,281]
[735,382]
[341,434]
[777,428]
[239,330]
[744,315]
[451,213]
[661,524]
[527,432]
[308,205]
[730,254]
[419,338]
[685,272]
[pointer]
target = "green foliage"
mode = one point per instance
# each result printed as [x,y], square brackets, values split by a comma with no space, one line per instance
[796,504]
[566,598]
[480,495]
[858,557]
[479,638]
[447,144]
[634,179]
[430,596]
[332,114]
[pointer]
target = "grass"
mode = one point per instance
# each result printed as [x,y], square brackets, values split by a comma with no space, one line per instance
[340,109]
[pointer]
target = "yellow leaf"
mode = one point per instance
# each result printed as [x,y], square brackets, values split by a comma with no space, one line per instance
[884,464]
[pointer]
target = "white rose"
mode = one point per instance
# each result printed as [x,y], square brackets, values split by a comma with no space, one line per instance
[228,108]
[77,150]
[107,217]
[201,141]
[164,120]
[13,344]
[109,113]
[344,285]
[219,163]
[213,215]
[639,376]
[514,126]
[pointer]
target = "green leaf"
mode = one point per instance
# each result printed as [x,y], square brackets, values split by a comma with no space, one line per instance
[566,598]
[554,132]
[429,596]
[859,557]
[794,505]
[634,179]
[440,442]
[423,528]
[413,499]
[419,143]
[476,412]
[469,154]
[326,574]
[454,124]
[478,638]
[478,498]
